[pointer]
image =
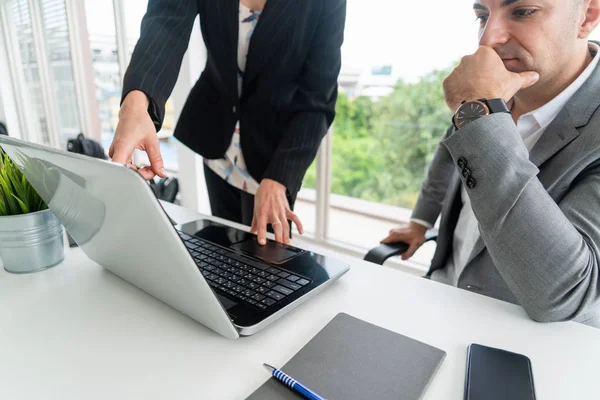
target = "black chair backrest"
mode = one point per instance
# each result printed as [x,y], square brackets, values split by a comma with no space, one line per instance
[88,147]
[166,188]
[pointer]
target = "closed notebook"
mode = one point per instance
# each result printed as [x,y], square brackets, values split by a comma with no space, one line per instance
[350,359]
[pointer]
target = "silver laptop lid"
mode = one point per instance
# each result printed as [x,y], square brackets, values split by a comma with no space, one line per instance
[112,213]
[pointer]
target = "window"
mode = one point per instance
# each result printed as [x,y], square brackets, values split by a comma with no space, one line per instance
[56,34]
[134,12]
[107,73]
[391,111]
[21,17]
[390,116]
[105,63]
[306,203]
[42,55]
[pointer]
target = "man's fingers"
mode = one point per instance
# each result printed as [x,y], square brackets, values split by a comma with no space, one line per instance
[518,81]
[393,237]
[294,218]
[411,250]
[528,78]
[156,160]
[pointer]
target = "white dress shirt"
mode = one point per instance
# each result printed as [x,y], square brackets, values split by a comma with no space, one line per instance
[530,126]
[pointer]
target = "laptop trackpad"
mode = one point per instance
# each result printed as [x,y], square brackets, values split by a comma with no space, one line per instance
[273,252]
[226,303]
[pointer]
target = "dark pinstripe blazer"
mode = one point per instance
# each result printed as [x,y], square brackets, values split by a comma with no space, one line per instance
[289,87]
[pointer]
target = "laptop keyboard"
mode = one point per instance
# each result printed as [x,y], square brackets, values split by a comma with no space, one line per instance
[260,285]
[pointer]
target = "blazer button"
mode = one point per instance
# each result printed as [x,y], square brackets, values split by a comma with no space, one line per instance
[462,162]
[471,183]
[234,109]
[466,172]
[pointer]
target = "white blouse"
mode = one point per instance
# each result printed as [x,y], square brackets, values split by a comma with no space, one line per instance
[232,166]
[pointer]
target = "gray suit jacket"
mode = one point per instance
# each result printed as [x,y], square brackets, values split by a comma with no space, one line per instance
[538,212]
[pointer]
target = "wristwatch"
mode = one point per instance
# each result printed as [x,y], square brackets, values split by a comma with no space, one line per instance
[469,111]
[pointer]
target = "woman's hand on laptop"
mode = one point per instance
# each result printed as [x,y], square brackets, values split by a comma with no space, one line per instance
[136,130]
[271,206]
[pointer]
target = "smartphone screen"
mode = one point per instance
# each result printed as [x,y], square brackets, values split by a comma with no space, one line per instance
[495,374]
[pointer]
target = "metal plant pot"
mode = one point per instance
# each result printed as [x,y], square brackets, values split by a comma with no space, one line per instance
[31,242]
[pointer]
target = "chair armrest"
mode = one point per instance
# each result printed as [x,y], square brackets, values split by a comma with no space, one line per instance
[379,254]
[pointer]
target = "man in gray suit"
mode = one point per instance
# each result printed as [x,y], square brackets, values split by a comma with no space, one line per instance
[517,178]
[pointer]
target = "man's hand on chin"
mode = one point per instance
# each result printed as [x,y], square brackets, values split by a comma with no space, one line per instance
[483,75]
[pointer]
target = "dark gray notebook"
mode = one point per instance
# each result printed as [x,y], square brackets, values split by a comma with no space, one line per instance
[350,359]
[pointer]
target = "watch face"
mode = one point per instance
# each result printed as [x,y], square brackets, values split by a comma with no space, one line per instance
[470,111]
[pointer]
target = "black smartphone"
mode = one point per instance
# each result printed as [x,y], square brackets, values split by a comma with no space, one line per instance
[496,374]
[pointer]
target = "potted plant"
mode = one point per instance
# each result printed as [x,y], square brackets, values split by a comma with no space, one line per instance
[31,237]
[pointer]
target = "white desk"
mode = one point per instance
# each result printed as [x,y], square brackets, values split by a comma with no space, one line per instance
[79,332]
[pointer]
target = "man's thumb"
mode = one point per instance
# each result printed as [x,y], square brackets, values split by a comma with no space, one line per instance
[410,251]
[528,78]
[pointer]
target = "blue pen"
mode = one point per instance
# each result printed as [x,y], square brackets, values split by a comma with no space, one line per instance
[293,384]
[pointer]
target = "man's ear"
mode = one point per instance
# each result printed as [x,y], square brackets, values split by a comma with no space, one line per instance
[591,20]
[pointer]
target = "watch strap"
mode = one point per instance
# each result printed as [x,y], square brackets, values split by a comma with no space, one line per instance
[497,106]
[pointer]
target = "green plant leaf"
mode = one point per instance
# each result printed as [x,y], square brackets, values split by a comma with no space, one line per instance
[17,196]
[24,208]
[19,187]
[13,206]
[31,195]
[3,206]
[28,198]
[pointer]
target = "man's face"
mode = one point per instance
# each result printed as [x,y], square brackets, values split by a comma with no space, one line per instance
[530,35]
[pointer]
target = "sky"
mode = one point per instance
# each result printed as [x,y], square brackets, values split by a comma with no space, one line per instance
[415,37]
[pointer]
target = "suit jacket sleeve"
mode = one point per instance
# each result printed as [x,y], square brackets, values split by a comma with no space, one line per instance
[314,102]
[156,60]
[433,190]
[546,252]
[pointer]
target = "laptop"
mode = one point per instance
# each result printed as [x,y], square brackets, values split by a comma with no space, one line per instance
[215,274]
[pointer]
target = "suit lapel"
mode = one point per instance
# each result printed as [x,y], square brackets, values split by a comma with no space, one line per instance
[223,40]
[276,17]
[558,134]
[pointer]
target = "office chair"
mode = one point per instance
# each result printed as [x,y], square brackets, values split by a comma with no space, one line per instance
[379,254]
